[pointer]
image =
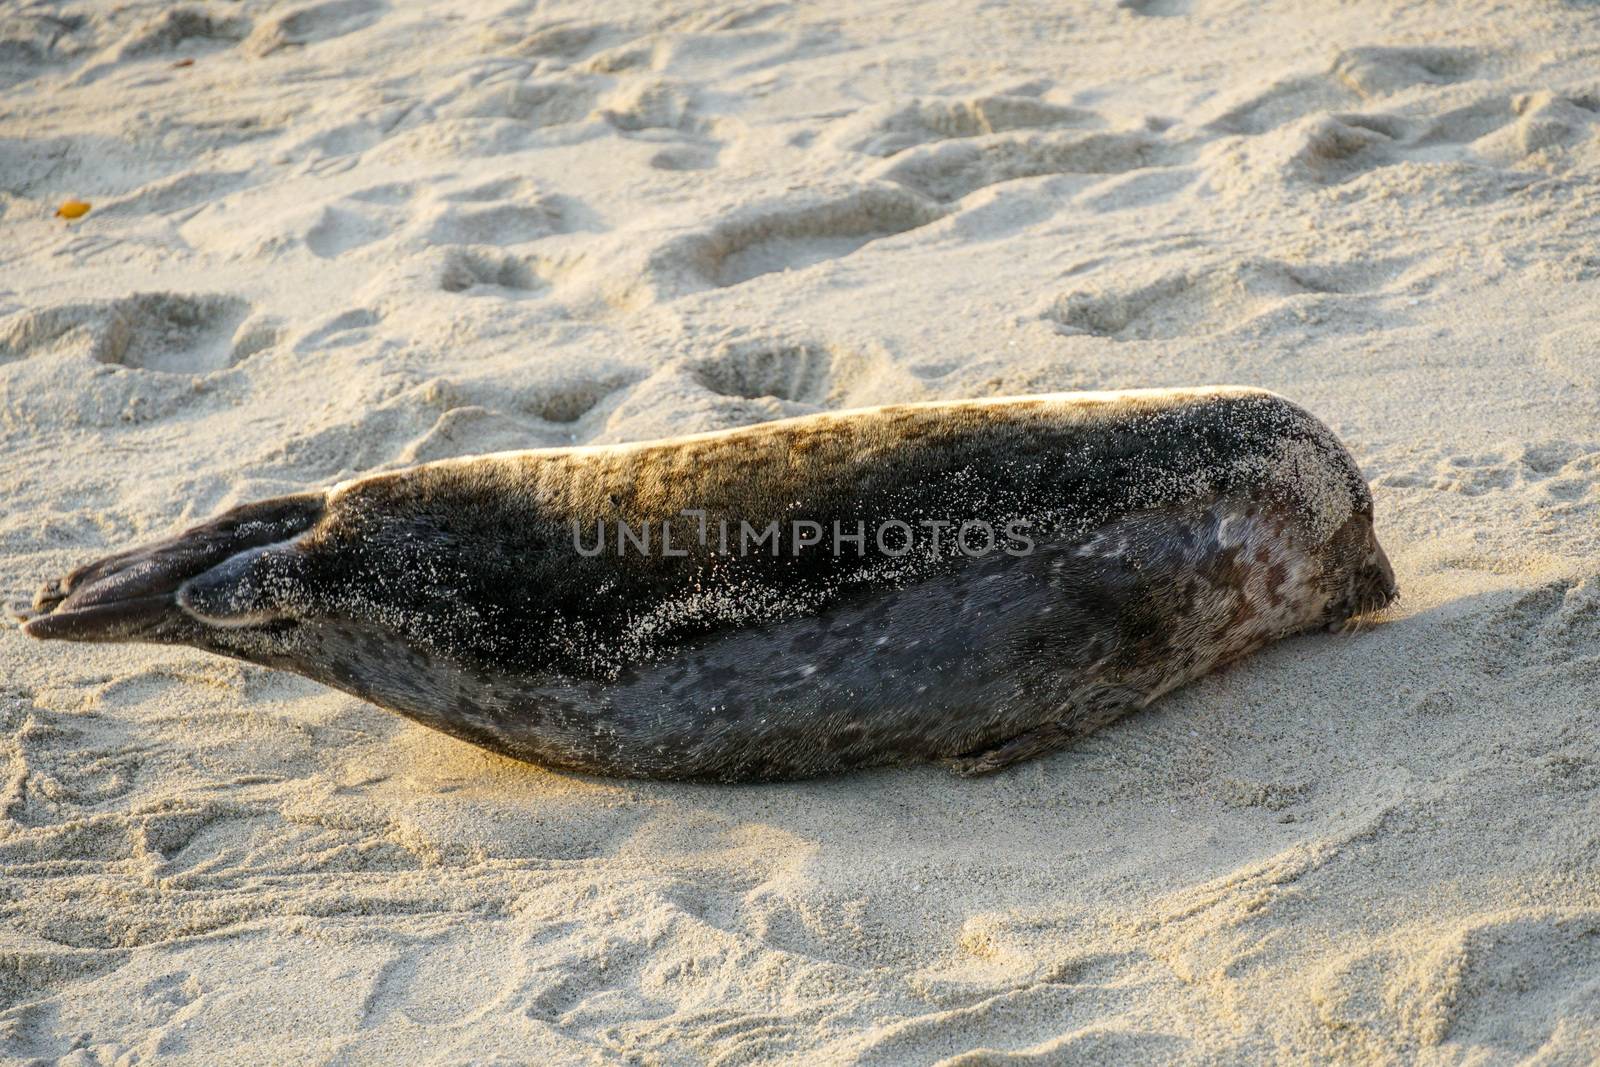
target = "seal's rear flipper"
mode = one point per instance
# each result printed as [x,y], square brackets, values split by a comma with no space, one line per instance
[133,595]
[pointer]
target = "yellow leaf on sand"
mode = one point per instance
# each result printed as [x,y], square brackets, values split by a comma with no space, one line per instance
[72,209]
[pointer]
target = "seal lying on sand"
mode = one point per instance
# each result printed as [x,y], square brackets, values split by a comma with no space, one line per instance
[980,581]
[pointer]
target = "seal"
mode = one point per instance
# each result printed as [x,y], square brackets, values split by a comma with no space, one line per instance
[978,581]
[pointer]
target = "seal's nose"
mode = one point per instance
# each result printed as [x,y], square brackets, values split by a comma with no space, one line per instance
[1380,578]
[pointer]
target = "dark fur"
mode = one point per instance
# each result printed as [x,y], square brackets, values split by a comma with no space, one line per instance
[1174,531]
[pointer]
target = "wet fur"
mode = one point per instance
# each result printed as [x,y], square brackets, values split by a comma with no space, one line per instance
[1175,531]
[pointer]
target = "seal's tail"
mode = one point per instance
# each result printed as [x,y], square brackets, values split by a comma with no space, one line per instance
[133,595]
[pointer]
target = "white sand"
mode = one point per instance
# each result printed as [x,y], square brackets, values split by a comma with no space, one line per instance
[357,234]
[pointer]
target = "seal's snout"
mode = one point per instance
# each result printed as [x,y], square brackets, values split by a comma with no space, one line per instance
[1365,581]
[1381,589]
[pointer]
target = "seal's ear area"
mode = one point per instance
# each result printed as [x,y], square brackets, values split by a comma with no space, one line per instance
[133,595]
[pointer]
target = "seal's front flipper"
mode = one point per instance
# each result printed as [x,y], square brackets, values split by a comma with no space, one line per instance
[135,595]
[1093,709]
[1035,742]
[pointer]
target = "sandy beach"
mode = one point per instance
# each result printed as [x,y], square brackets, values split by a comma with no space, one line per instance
[344,236]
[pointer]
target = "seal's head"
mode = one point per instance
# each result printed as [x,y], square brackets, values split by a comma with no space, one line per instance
[1358,577]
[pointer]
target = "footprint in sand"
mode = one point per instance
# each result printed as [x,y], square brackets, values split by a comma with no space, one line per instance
[801,372]
[1559,472]
[310,24]
[890,129]
[787,235]
[537,102]
[441,418]
[564,42]
[1205,302]
[466,271]
[1381,71]
[36,41]
[176,31]
[751,378]
[1323,127]
[1541,629]
[169,332]
[494,211]
[177,27]
[254,225]
[650,104]
[1356,78]
[950,170]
